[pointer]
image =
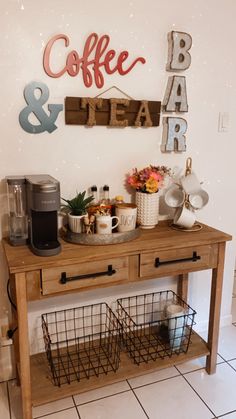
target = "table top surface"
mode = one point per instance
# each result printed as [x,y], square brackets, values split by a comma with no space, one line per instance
[162,237]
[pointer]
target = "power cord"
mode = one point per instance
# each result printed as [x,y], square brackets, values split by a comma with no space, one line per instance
[11,332]
[9,294]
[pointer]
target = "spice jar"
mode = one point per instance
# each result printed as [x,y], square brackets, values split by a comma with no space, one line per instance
[94,207]
[105,203]
[118,199]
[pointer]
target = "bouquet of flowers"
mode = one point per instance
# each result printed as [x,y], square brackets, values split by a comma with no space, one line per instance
[148,180]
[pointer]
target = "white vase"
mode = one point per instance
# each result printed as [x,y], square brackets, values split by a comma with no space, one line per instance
[147,209]
[76,223]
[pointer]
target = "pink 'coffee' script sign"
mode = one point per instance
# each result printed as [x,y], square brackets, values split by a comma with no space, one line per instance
[102,59]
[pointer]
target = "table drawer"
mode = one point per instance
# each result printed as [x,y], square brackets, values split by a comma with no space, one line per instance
[84,275]
[178,261]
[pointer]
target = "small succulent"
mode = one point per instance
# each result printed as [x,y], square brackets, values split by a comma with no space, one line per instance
[77,205]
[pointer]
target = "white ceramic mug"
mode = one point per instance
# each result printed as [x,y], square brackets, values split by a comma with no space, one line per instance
[190,183]
[176,323]
[199,199]
[127,214]
[104,224]
[174,196]
[184,217]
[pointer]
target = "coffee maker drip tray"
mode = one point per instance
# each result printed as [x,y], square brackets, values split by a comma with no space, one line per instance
[46,245]
[46,248]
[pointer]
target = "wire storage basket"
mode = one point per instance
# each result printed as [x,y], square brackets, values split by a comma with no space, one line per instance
[155,325]
[81,342]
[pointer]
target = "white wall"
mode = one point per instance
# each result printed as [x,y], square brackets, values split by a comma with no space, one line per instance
[79,157]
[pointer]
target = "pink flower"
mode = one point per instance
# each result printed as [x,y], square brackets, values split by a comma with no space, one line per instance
[149,180]
[131,180]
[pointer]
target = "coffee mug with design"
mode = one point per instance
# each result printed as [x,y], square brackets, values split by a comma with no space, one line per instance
[127,214]
[104,224]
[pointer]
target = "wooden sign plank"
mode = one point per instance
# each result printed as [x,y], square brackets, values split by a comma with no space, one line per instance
[111,112]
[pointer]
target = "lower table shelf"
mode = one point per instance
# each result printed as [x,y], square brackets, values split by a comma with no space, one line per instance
[44,391]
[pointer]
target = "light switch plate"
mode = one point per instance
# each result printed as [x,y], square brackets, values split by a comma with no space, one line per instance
[223,125]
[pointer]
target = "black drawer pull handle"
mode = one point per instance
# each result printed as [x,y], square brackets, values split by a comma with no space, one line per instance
[194,258]
[64,279]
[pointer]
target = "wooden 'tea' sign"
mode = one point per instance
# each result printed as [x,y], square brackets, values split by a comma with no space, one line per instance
[112,112]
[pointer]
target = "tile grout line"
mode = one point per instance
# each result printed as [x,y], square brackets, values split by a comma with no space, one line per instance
[227,361]
[153,382]
[189,372]
[77,410]
[183,375]
[104,397]
[9,401]
[135,395]
[199,368]
[40,416]
[231,366]
[52,413]
[178,375]
[214,416]
[228,413]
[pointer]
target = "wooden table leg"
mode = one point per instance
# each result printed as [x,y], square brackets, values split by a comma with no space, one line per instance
[24,353]
[182,287]
[214,314]
[14,326]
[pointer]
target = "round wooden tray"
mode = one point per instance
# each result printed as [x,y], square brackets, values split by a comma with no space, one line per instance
[98,239]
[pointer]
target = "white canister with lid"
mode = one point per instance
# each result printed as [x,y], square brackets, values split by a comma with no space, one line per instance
[175,314]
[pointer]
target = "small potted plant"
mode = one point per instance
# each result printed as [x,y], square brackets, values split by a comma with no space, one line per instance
[77,209]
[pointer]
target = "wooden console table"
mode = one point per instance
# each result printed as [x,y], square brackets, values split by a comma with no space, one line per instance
[34,278]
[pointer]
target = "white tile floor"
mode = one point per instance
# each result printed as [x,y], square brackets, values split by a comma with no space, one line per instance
[182,392]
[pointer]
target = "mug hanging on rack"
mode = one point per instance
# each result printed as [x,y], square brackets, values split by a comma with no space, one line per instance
[194,199]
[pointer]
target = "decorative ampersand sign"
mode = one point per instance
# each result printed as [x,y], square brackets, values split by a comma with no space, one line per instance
[35,106]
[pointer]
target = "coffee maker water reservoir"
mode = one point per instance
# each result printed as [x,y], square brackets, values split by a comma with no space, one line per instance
[33,204]
[18,222]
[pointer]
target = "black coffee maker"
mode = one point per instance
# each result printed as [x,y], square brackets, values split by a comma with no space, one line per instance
[43,202]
